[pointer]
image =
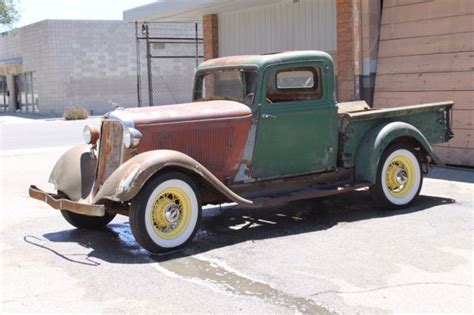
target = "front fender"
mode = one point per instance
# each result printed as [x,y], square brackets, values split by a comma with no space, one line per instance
[73,173]
[126,181]
[374,144]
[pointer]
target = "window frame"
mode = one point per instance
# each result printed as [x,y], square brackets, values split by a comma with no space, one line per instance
[317,91]
[200,74]
[298,69]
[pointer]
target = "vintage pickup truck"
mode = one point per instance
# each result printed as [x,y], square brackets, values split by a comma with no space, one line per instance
[261,130]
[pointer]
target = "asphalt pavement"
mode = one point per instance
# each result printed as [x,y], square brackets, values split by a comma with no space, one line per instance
[334,255]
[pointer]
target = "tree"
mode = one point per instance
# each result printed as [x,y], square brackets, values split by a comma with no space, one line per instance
[8,13]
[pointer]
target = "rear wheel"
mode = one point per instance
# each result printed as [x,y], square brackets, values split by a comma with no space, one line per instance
[87,222]
[399,178]
[166,213]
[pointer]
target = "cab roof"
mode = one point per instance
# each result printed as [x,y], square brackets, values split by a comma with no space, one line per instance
[262,61]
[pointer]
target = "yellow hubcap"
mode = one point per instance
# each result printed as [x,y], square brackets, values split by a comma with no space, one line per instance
[171,213]
[400,176]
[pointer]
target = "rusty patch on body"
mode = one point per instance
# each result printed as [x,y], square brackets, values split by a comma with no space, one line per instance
[213,133]
[110,149]
[195,111]
[128,180]
[216,145]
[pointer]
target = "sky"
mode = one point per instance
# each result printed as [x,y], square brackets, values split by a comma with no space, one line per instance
[32,11]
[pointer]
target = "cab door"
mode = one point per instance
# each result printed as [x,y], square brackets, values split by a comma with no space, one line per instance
[297,128]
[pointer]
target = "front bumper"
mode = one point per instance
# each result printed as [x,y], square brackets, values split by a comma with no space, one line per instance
[59,203]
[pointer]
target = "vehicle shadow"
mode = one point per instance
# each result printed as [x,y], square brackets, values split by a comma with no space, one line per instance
[227,226]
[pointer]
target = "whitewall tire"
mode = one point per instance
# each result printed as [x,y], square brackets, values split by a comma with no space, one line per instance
[165,214]
[399,177]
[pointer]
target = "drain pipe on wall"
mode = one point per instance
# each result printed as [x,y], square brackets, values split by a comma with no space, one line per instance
[357,46]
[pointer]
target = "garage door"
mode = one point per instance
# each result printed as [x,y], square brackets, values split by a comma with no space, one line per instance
[286,25]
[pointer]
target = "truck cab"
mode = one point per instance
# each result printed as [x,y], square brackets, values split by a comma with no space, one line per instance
[294,109]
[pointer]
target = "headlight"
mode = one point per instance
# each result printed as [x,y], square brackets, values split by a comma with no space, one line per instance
[90,134]
[131,137]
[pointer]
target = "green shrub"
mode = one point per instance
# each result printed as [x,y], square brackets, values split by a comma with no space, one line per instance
[76,113]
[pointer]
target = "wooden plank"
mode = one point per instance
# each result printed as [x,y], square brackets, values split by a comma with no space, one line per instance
[463,119]
[444,81]
[441,26]
[441,152]
[462,99]
[427,45]
[427,63]
[460,156]
[426,10]
[442,145]
[462,139]
[396,3]
[455,156]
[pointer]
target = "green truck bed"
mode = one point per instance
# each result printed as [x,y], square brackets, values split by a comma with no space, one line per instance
[358,122]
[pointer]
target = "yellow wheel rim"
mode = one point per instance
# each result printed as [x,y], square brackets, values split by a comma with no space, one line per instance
[171,213]
[400,176]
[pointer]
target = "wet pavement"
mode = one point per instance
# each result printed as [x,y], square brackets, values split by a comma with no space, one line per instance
[335,255]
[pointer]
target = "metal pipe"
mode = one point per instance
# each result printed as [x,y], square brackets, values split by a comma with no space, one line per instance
[139,68]
[170,42]
[172,38]
[148,64]
[197,43]
[171,57]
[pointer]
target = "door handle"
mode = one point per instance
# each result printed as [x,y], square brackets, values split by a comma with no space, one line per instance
[267,116]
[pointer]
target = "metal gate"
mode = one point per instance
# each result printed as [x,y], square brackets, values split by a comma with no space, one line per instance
[167,56]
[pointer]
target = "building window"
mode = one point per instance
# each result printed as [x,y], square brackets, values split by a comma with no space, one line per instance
[3,94]
[26,96]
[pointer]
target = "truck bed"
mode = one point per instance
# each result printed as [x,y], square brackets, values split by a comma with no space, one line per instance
[356,120]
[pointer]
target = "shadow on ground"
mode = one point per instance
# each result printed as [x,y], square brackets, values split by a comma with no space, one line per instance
[222,227]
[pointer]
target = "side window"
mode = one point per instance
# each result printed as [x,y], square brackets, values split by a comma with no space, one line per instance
[294,84]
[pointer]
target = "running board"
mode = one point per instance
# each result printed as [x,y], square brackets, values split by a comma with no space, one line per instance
[308,193]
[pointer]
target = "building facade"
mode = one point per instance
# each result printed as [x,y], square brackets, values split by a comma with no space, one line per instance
[52,65]
[388,53]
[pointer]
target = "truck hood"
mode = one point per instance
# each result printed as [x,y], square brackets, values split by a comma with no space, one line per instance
[210,110]
[214,133]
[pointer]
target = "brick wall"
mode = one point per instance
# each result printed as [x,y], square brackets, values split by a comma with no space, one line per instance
[211,36]
[345,51]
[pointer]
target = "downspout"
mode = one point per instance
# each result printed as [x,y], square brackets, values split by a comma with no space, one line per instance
[357,46]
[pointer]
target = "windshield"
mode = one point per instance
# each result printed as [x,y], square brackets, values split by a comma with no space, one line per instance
[230,84]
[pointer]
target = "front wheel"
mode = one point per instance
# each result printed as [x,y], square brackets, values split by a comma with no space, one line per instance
[166,213]
[399,178]
[82,221]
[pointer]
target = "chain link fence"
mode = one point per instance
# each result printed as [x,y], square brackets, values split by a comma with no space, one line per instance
[167,56]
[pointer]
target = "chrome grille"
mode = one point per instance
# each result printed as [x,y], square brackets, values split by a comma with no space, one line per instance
[110,150]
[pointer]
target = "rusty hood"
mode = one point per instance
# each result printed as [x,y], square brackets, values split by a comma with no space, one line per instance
[196,111]
[214,133]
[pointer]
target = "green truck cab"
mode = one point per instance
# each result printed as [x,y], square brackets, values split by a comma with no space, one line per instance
[261,130]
